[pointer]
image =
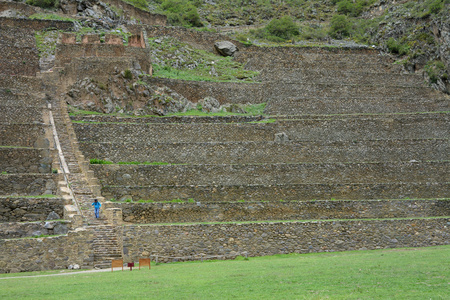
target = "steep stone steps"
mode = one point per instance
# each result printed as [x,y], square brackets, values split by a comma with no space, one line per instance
[270,152]
[106,246]
[272,174]
[342,191]
[326,76]
[182,212]
[342,105]
[363,128]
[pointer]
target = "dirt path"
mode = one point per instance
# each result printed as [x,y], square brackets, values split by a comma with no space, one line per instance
[67,273]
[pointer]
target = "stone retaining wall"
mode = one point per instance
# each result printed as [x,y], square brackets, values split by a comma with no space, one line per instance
[49,253]
[265,57]
[198,39]
[23,8]
[20,83]
[20,114]
[27,184]
[35,24]
[22,160]
[272,174]
[330,76]
[20,230]
[23,135]
[224,92]
[146,213]
[425,126]
[351,191]
[270,152]
[66,53]
[166,120]
[259,239]
[338,105]
[20,209]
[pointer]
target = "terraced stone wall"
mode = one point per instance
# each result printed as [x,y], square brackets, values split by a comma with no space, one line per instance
[426,126]
[35,25]
[224,92]
[24,9]
[295,192]
[18,46]
[49,253]
[27,184]
[24,135]
[261,174]
[65,53]
[199,39]
[146,213]
[259,239]
[24,209]
[269,152]
[26,160]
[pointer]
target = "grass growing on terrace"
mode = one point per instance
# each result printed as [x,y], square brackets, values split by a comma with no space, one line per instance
[420,273]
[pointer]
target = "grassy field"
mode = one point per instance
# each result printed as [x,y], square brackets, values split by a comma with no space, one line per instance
[410,273]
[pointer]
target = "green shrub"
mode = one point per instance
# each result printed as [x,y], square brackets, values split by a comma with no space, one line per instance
[127,74]
[340,26]
[396,47]
[96,161]
[436,6]
[283,28]
[43,3]
[181,13]
[436,70]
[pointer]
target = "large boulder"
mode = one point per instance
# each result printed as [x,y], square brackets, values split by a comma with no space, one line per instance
[225,48]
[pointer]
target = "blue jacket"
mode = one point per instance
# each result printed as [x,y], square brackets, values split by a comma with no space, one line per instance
[97,204]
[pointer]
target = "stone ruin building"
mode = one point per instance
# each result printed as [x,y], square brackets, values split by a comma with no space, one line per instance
[354,155]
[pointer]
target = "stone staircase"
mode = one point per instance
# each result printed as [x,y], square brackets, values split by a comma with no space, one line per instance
[106,244]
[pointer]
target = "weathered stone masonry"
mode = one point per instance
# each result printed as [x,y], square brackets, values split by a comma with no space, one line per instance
[259,239]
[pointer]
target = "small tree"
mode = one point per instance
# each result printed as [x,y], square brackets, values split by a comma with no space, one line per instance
[283,28]
[340,26]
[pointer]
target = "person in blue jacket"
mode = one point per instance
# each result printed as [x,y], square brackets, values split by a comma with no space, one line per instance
[97,208]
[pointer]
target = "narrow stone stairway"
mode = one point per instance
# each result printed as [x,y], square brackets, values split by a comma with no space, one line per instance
[76,179]
[106,246]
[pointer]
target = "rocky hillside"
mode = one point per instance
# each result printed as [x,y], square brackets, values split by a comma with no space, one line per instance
[417,32]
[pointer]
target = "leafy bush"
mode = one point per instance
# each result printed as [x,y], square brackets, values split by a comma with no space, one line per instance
[436,71]
[96,161]
[283,28]
[182,13]
[396,47]
[43,3]
[340,26]
[353,8]
[436,6]
[127,74]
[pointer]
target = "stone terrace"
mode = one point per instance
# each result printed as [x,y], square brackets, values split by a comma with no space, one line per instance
[351,137]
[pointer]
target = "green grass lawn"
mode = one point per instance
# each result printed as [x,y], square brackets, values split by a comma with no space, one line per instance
[419,273]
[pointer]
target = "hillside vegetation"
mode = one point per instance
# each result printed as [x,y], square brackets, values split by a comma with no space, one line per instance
[418,32]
